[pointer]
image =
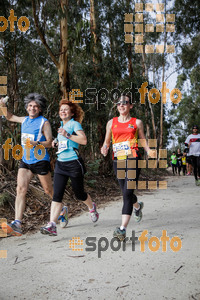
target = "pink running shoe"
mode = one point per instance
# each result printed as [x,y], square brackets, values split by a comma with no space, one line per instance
[94,214]
[50,229]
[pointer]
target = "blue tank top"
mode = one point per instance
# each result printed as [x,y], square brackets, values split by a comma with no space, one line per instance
[32,129]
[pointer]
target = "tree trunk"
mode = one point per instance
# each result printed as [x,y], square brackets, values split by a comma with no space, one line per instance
[62,63]
[93,28]
[163,77]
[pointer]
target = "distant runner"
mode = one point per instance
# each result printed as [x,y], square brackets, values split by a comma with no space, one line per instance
[193,142]
[174,163]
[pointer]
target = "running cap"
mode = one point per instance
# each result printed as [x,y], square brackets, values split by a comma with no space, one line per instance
[195,127]
[39,99]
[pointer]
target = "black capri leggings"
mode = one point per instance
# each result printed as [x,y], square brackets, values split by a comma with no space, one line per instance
[127,173]
[196,165]
[64,171]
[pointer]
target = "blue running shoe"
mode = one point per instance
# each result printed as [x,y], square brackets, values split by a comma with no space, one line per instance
[63,218]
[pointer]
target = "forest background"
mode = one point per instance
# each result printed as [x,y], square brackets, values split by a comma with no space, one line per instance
[80,44]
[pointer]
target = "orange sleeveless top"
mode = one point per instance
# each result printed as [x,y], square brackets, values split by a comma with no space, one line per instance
[122,132]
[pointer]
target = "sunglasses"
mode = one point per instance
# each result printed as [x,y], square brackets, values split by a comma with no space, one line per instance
[124,102]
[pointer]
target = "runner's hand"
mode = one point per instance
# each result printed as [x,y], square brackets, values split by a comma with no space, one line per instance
[62,131]
[104,150]
[152,153]
[2,104]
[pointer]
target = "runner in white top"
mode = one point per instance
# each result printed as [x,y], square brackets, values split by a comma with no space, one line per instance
[193,142]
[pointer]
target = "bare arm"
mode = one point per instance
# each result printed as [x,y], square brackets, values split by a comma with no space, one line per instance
[151,153]
[9,116]
[46,130]
[80,138]
[106,144]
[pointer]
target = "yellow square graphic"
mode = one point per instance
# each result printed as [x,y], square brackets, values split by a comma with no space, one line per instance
[128,27]
[121,164]
[131,164]
[162,164]
[170,48]
[152,143]
[159,48]
[3,111]
[170,17]
[149,49]
[138,49]
[149,7]
[138,6]
[131,185]
[142,185]
[3,253]
[128,38]
[139,38]
[170,27]
[142,164]
[3,79]
[159,17]
[162,153]
[3,233]
[152,164]
[142,143]
[131,174]
[138,27]
[128,18]
[138,17]
[160,7]
[162,185]
[149,28]
[121,174]
[3,90]
[159,27]
[152,185]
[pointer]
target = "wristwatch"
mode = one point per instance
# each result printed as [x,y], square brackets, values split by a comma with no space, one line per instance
[68,135]
[38,143]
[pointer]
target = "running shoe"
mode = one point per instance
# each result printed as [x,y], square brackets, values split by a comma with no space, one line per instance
[63,218]
[188,174]
[50,229]
[138,213]
[197,182]
[119,234]
[12,229]
[94,214]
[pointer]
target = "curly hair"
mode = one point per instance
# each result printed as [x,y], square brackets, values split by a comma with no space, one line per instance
[75,109]
[39,99]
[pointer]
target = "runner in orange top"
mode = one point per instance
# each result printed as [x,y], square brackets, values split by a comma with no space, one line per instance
[125,131]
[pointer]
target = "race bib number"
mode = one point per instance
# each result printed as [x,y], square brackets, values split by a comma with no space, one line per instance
[122,149]
[62,146]
[26,136]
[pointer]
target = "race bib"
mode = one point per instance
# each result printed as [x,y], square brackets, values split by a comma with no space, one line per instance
[122,149]
[62,146]
[26,136]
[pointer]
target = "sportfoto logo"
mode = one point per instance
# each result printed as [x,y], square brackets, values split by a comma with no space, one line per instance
[93,96]
[103,244]
[162,25]
[22,24]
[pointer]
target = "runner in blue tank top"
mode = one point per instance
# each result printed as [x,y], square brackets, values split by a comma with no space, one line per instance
[35,131]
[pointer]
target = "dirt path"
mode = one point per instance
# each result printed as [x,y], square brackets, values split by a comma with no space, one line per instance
[43,267]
